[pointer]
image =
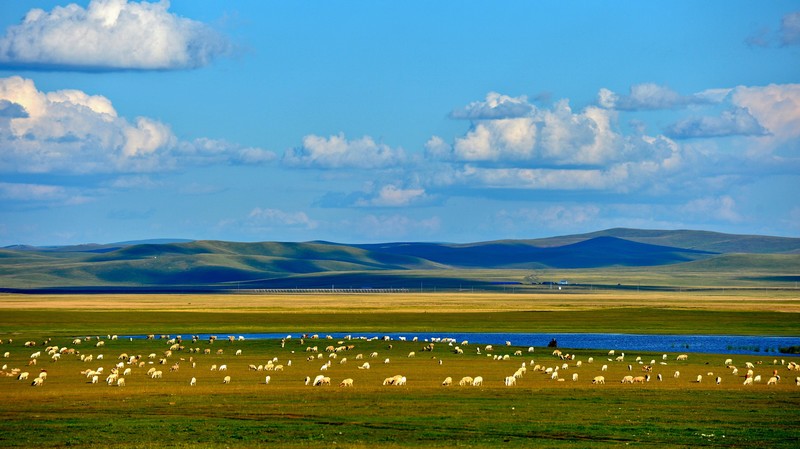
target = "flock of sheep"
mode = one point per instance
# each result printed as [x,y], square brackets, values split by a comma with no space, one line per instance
[174,354]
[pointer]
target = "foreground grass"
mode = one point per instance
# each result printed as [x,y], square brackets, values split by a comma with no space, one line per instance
[539,412]
[69,411]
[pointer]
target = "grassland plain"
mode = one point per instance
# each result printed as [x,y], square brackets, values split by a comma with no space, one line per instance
[68,410]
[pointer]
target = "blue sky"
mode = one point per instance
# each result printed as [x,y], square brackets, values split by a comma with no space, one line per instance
[395,121]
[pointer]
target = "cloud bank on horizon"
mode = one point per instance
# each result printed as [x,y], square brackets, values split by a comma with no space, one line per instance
[719,158]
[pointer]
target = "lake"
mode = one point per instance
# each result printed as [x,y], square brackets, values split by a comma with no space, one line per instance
[716,344]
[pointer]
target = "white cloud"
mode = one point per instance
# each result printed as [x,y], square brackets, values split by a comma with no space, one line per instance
[110,35]
[776,107]
[393,196]
[269,218]
[737,121]
[73,132]
[720,208]
[648,96]
[24,192]
[339,152]
[552,136]
[496,106]
[493,140]
[617,177]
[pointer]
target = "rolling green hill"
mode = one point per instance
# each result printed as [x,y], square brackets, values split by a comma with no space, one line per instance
[217,264]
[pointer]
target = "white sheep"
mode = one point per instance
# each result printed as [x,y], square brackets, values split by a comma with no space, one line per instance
[95,379]
[748,381]
[364,366]
[266,380]
[627,380]
[346,383]
[757,378]
[447,381]
[773,380]
[466,380]
[699,378]
[23,376]
[226,380]
[719,380]
[659,377]
[574,377]
[477,381]
[121,382]
[223,368]
[509,381]
[682,357]
[604,368]
[38,382]
[599,380]
[677,374]
[193,382]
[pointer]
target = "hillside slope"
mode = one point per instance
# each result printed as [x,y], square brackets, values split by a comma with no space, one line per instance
[218,264]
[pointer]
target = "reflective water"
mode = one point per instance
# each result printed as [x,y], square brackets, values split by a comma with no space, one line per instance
[717,344]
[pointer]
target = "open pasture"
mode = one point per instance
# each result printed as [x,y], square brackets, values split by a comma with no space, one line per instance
[541,409]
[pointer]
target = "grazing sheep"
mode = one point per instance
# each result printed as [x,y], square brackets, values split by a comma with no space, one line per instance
[797,381]
[38,382]
[477,382]
[226,380]
[599,380]
[699,378]
[364,366]
[156,375]
[193,382]
[590,360]
[728,362]
[627,380]
[447,381]
[266,380]
[346,383]
[509,381]
[757,378]
[604,368]
[213,367]
[466,380]
[719,380]
[639,380]
[773,380]
[223,368]
[411,354]
[95,379]
[677,374]
[23,376]
[659,377]
[682,357]
[238,352]
[748,381]
[121,382]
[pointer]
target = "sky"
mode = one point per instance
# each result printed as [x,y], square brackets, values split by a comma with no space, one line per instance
[378,121]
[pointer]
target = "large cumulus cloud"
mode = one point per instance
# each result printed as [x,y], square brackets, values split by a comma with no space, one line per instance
[70,131]
[110,35]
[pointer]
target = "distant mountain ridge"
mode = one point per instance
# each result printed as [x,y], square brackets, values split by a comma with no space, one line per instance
[176,263]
